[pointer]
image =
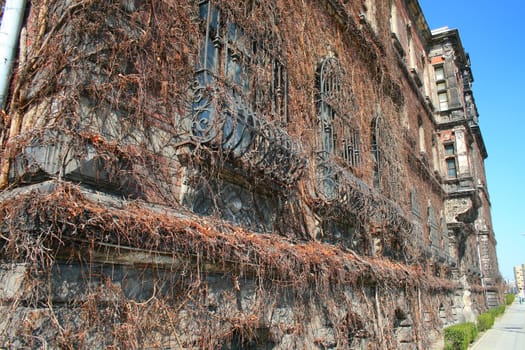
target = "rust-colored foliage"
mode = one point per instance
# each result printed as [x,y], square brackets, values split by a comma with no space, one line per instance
[116,78]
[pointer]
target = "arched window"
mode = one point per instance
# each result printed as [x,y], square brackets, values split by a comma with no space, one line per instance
[338,141]
[329,98]
[337,136]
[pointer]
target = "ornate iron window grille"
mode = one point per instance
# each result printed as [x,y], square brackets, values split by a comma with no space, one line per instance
[239,133]
[222,117]
[339,142]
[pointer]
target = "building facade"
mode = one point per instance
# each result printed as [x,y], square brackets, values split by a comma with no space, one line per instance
[225,174]
[519,278]
[467,203]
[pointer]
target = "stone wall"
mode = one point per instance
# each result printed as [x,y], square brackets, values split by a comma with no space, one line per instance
[201,174]
[113,273]
[98,306]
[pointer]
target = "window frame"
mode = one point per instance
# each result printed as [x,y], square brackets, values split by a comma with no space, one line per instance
[441,87]
[443,100]
[450,160]
[338,137]
[441,75]
[233,59]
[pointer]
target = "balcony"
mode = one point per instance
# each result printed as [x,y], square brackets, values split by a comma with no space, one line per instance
[339,190]
[229,126]
[462,185]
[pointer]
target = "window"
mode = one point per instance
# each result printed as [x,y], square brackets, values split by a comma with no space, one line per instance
[337,136]
[441,86]
[225,51]
[440,73]
[254,81]
[351,148]
[370,8]
[443,101]
[412,57]
[240,94]
[393,19]
[279,88]
[451,167]
[252,74]
[329,88]
[338,141]
[449,149]
[209,55]
[450,160]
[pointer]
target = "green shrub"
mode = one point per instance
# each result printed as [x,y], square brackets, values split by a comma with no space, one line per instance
[509,299]
[448,347]
[459,336]
[497,311]
[485,321]
[473,331]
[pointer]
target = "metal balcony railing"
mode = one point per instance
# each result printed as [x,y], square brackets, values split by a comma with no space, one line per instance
[228,125]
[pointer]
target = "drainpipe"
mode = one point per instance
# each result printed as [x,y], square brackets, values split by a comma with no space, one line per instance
[9,35]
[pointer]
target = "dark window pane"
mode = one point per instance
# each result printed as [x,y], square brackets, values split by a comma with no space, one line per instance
[451,167]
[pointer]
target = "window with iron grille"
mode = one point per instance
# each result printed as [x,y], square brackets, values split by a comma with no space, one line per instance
[337,137]
[240,96]
[252,72]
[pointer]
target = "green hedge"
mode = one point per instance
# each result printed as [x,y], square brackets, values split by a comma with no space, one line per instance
[509,299]
[459,336]
[485,321]
[497,311]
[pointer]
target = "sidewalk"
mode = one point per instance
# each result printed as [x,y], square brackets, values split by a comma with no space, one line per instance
[508,332]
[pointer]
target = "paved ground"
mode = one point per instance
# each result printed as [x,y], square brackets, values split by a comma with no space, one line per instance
[508,332]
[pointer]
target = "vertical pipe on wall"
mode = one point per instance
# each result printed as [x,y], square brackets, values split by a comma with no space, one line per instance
[12,20]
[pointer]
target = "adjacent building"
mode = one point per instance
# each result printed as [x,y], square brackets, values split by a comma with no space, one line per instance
[467,202]
[519,273]
[241,174]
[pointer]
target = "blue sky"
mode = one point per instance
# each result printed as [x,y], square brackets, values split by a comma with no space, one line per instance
[492,32]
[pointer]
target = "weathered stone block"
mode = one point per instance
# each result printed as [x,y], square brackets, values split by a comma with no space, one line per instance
[405,334]
[12,278]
